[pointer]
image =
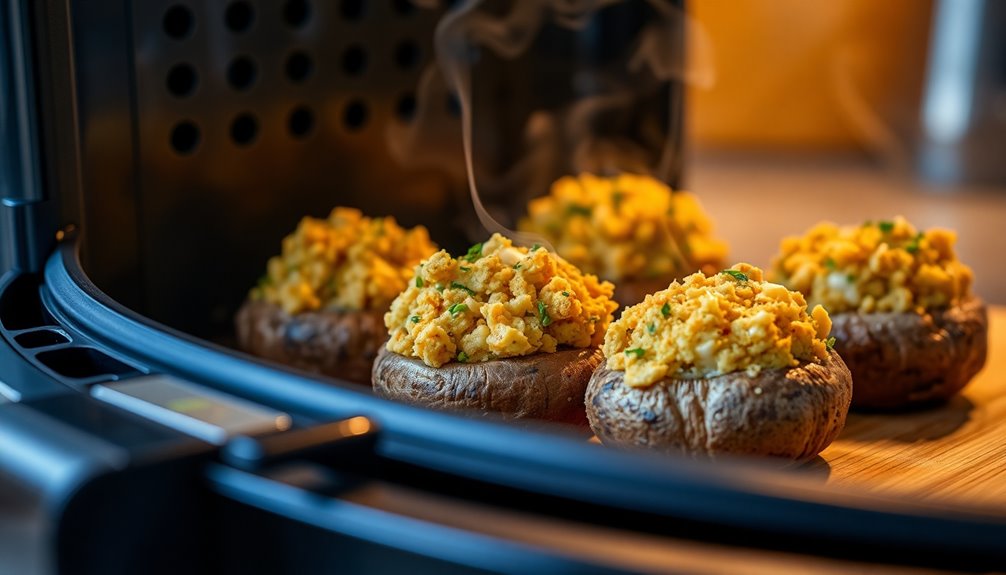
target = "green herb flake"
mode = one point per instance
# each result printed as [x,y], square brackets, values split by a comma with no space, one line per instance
[886,227]
[465,269]
[419,281]
[462,356]
[665,310]
[462,287]
[439,288]
[914,245]
[739,276]
[565,293]
[617,197]
[535,247]
[830,263]
[516,266]
[851,278]
[578,210]
[414,319]
[651,328]
[636,351]
[543,317]
[474,253]
[457,308]
[830,342]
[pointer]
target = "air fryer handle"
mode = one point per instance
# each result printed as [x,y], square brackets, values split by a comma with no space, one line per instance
[338,439]
[284,476]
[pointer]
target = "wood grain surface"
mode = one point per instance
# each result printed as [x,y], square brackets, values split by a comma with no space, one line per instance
[953,452]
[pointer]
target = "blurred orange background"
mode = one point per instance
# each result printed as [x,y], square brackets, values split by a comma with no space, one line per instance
[837,75]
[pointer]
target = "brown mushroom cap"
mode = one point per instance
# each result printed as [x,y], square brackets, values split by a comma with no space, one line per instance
[548,386]
[340,344]
[901,359]
[785,412]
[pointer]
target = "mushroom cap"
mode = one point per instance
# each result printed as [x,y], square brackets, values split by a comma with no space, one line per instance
[785,412]
[340,344]
[905,358]
[547,386]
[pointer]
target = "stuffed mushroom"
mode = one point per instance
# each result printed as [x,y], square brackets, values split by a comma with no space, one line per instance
[905,319]
[721,364]
[320,306]
[502,329]
[629,229]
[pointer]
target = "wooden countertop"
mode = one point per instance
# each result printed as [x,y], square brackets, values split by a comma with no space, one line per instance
[954,453]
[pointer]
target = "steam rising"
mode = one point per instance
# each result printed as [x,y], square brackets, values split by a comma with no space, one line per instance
[655,59]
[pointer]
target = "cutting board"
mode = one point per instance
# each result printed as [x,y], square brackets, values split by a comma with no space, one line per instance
[955,452]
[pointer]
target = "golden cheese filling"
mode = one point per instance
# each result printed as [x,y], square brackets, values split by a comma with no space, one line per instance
[705,326]
[886,266]
[626,227]
[497,301]
[344,262]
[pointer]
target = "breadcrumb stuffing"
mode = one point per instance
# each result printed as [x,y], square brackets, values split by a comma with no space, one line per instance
[705,326]
[344,262]
[497,301]
[886,266]
[626,227]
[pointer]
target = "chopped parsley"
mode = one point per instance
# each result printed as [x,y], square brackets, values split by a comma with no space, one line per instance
[913,245]
[651,328]
[830,342]
[457,308]
[851,278]
[465,269]
[535,247]
[474,253]
[830,263]
[439,288]
[616,198]
[462,356]
[665,310]
[578,210]
[636,351]
[886,227]
[462,287]
[516,266]
[739,276]
[414,319]
[565,293]
[543,315]
[419,282]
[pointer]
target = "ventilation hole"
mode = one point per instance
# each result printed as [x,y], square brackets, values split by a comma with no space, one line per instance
[355,115]
[299,67]
[352,9]
[178,21]
[407,54]
[453,105]
[185,137]
[404,7]
[354,60]
[296,13]
[239,16]
[241,73]
[244,128]
[81,362]
[41,338]
[405,109]
[300,122]
[182,80]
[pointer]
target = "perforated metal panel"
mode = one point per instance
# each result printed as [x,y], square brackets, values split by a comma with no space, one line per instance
[210,128]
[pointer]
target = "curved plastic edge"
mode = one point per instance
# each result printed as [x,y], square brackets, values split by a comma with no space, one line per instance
[727,494]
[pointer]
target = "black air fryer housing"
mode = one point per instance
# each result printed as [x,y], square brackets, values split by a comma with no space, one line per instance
[153,154]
